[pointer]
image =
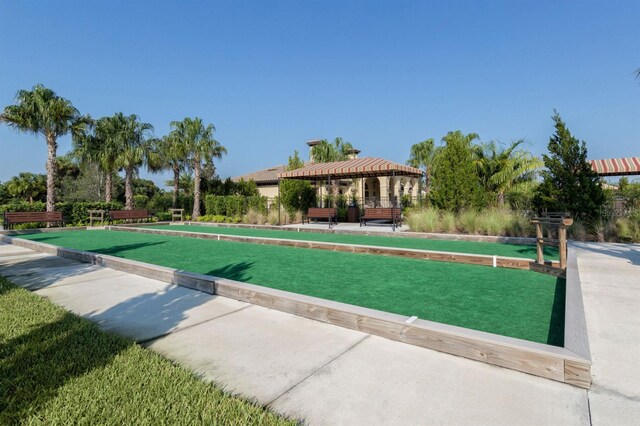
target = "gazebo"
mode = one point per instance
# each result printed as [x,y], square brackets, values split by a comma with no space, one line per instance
[375,182]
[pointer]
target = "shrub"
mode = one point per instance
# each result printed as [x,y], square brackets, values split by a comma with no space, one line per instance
[493,222]
[23,206]
[254,217]
[77,214]
[257,204]
[468,222]
[160,204]
[628,228]
[342,214]
[140,201]
[448,222]
[424,220]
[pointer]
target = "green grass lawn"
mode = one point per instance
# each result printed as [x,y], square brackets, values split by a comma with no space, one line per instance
[511,302]
[498,249]
[57,368]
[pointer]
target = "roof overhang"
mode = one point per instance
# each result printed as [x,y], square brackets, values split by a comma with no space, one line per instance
[349,169]
[617,166]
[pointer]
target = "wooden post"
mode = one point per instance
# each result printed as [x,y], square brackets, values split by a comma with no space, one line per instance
[539,244]
[562,236]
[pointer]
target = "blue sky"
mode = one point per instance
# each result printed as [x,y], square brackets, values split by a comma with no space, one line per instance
[383,75]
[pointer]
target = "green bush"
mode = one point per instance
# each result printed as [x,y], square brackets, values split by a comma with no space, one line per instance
[234,205]
[219,219]
[425,220]
[160,204]
[448,221]
[342,214]
[257,204]
[77,214]
[628,228]
[140,201]
[23,206]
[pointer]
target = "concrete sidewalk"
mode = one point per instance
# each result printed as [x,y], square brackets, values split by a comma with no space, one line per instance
[314,371]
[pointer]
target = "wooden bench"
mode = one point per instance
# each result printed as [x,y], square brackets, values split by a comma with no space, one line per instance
[315,213]
[382,214]
[11,218]
[129,215]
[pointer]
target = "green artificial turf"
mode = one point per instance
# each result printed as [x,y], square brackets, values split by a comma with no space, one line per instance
[471,247]
[510,302]
[57,368]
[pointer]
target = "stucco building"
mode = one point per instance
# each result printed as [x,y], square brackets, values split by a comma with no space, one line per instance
[372,181]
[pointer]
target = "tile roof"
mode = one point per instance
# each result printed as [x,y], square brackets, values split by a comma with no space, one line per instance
[358,167]
[265,176]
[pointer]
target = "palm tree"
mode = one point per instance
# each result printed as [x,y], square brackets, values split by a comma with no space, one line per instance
[185,183]
[326,152]
[101,146]
[201,147]
[42,111]
[170,153]
[503,169]
[133,138]
[421,156]
[27,186]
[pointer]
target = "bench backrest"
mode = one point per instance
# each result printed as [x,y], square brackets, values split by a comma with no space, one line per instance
[322,211]
[382,212]
[26,217]
[128,214]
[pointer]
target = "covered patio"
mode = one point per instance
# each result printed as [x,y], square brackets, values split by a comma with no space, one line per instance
[372,182]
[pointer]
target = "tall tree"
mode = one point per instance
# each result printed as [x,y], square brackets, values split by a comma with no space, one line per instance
[421,157]
[170,153]
[100,145]
[201,147]
[133,138]
[503,169]
[569,182]
[455,182]
[41,111]
[27,186]
[296,194]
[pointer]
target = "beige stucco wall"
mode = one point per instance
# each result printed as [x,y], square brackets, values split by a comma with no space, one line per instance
[268,191]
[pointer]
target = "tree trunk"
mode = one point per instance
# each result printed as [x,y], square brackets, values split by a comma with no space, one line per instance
[128,189]
[501,199]
[107,187]
[51,172]
[196,189]
[176,185]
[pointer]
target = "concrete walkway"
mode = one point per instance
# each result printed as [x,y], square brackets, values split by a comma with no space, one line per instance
[325,374]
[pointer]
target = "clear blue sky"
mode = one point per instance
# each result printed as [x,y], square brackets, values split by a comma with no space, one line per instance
[383,75]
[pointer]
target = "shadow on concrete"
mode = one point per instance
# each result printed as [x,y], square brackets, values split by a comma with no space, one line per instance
[150,315]
[556,322]
[154,314]
[630,252]
[42,272]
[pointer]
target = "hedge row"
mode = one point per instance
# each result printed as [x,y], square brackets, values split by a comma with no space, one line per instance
[73,213]
[234,205]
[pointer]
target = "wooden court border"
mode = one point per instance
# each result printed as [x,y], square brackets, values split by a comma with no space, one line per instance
[443,256]
[570,364]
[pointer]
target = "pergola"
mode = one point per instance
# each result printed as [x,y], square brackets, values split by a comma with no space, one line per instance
[357,168]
